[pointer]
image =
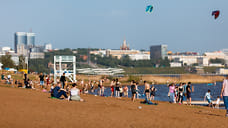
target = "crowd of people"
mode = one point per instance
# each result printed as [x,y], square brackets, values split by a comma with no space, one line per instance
[70,91]
[178,93]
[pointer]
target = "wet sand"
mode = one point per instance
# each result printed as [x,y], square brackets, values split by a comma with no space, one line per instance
[33,109]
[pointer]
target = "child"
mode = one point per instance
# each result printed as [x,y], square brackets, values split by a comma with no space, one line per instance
[208,97]
[217,102]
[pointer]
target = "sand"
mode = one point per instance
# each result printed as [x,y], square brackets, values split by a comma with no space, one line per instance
[33,109]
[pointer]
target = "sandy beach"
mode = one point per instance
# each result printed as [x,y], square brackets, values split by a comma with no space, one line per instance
[32,108]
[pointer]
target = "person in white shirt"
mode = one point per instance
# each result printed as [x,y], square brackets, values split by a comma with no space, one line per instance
[75,93]
[217,103]
[208,97]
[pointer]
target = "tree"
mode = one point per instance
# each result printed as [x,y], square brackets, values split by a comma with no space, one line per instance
[7,61]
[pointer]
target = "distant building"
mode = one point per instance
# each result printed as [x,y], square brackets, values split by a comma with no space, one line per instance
[139,56]
[214,55]
[120,53]
[225,51]
[22,50]
[125,46]
[36,55]
[100,52]
[47,47]
[175,64]
[28,39]
[158,51]
[19,38]
[222,71]
[189,60]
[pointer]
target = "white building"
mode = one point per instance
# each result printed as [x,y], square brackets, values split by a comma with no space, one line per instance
[225,51]
[189,60]
[202,61]
[214,55]
[36,55]
[222,71]
[47,47]
[175,64]
[99,52]
[139,56]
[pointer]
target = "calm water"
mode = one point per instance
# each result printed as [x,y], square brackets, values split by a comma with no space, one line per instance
[162,91]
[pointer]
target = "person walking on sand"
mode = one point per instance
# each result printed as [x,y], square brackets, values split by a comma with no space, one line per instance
[133,90]
[147,90]
[41,76]
[224,94]
[189,91]
[63,80]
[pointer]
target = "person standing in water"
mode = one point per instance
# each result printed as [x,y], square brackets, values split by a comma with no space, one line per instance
[147,90]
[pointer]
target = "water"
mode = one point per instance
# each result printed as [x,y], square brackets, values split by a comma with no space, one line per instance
[162,91]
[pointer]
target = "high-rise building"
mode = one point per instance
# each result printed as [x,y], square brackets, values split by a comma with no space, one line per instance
[27,39]
[158,51]
[19,38]
[30,39]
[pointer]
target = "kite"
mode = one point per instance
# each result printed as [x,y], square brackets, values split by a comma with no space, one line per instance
[149,8]
[215,14]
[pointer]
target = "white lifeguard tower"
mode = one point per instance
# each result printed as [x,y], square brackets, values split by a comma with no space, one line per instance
[70,72]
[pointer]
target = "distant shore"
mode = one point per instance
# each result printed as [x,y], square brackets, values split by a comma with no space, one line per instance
[158,79]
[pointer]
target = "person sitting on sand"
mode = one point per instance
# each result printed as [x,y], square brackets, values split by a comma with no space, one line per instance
[57,92]
[208,97]
[75,93]
[27,84]
[217,102]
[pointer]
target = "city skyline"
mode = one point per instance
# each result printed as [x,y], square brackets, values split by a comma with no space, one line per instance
[182,25]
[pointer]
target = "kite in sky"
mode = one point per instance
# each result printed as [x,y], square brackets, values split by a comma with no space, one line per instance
[149,8]
[215,14]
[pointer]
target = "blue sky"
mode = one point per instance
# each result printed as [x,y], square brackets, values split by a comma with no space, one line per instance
[184,25]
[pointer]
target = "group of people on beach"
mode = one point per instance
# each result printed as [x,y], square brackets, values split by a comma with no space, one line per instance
[179,93]
[70,91]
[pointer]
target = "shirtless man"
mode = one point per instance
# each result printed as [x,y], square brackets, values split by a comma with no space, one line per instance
[147,90]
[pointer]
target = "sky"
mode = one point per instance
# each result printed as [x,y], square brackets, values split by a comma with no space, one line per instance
[183,25]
